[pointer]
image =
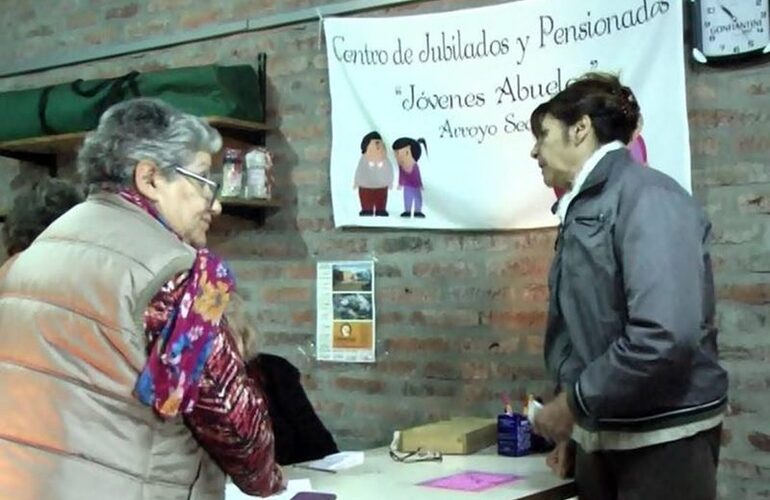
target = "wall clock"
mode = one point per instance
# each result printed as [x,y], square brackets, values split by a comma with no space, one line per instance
[728,30]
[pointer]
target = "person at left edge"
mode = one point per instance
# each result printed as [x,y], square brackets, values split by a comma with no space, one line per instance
[117,375]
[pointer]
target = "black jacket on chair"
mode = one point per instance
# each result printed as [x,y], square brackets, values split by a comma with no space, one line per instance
[299,433]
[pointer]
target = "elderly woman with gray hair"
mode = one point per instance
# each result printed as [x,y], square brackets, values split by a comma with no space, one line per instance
[118,375]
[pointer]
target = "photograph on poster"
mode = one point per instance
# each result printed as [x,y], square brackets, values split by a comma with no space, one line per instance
[352,306]
[352,277]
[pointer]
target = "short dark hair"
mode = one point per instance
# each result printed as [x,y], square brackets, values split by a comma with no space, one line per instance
[371,136]
[413,145]
[612,107]
[35,208]
[536,119]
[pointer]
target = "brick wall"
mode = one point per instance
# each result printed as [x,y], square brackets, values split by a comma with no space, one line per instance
[460,315]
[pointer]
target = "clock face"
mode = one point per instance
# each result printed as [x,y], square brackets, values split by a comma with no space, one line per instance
[733,27]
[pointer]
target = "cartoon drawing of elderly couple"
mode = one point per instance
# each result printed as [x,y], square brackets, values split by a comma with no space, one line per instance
[374,175]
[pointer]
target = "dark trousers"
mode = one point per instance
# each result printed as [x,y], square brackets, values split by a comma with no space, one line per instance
[682,470]
[373,199]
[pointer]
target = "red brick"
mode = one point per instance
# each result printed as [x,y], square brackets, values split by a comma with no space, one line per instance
[149,28]
[315,201]
[342,247]
[389,318]
[512,370]
[405,244]
[303,318]
[704,146]
[726,438]
[332,408]
[402,368]
[703,91]
[471,394]
[535,343]
[534,293]
[359,385]
[317,153]
[516,320]
[100,36]
[735,232]
[275,249]
[315,225]
[304,130]
[387,412]
[507,345]
[759,89]
[309,382]
[455,318]
[407,295]
[733,173]
[284,339]
[286,294]
[309,177]
[756,293]
[535,267]
[441,370]
[740,468]
[455,270]
[531,239]
[437,388]
[475,370]
[387,271]
[300,271]
[754,203]
[198,19]
[417,344]
[755,144]
[81,20]
[760,441]
[39,31]
[123,12]
[257,272]
[161,5]
[712,118]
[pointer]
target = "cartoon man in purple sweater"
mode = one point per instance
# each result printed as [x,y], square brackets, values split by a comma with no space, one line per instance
[408,151]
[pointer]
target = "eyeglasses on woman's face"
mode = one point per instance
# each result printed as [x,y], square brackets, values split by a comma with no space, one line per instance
[203,182]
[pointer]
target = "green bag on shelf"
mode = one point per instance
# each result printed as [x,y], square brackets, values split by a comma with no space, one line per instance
[213,90]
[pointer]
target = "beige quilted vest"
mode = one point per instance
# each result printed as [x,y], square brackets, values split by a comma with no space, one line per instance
[71,348]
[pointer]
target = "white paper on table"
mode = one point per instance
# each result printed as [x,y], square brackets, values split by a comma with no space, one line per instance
[293,487]
[338,461]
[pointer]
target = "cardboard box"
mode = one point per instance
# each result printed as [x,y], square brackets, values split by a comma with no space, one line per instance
[459,435]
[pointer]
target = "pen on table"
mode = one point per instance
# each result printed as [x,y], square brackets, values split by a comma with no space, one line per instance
[310,467]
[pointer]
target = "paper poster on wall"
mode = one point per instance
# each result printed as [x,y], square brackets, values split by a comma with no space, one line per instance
[345,329]
[430,113]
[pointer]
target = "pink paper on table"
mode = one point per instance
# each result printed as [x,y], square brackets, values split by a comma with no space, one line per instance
[471,481]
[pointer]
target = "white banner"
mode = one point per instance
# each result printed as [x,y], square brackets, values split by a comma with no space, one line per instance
[452,93]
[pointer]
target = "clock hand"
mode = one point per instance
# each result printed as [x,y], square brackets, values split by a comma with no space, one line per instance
[727,11]
[735,19]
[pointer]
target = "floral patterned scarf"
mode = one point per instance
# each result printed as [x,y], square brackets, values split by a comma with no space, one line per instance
[169,380]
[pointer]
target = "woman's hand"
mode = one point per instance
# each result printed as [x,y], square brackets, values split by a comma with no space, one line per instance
[561,460]
[555,420]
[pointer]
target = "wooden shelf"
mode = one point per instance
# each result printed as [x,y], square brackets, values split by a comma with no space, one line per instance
[44,150]
[30,148]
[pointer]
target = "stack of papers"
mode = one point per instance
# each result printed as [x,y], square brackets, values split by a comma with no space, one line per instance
[337,461]
[292,488]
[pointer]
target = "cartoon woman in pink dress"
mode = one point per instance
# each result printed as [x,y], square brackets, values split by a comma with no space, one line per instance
[407,152]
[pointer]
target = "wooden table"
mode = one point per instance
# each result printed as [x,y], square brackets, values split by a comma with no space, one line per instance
[380,477]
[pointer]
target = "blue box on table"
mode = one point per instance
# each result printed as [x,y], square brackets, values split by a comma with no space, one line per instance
[514,435]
